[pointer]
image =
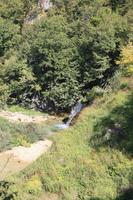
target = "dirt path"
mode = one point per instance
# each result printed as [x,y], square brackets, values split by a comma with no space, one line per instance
[13,161]
[19,117]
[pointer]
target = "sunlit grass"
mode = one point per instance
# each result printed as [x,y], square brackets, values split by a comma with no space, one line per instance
[17,108]
[75,167]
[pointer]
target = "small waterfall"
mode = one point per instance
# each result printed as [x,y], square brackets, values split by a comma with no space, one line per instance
[74,112]
[77,108]
[44,4]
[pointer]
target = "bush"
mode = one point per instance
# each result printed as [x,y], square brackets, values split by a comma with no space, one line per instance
[33,185]
[20,140]
[94,93]
[13,134]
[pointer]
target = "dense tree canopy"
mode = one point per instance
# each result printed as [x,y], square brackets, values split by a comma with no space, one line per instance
[15,10]
[9,36]
[58,59]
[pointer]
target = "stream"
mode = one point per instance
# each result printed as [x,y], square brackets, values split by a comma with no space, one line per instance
[75,110]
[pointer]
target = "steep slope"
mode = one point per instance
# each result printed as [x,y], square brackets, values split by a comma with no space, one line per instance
[90,161]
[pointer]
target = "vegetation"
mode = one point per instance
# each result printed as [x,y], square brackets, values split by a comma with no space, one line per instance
[23,110]
[15,134]
[57,60]
[126,60]
[79,50]
[91,160]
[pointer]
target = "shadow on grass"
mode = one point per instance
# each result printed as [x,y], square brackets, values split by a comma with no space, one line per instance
[126,194]
[96,198]
[116,129]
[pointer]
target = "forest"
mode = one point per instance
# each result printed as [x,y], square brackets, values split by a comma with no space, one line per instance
[63,57]
[50,59]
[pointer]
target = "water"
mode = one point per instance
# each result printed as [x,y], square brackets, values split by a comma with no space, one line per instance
[77,108]
[48,5]
[62,126]
[45,4]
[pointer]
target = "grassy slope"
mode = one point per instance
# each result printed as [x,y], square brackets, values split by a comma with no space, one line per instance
[87,162]
[15,134]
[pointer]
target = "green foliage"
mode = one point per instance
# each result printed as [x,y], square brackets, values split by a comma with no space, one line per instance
[68,57]
[23,110]
[124,86]
[8,190]
[20,140]
[17,77]
[100,44]
[9,35]
[69,54]
[15,10]
[34,185]
[63,55]
[54,64]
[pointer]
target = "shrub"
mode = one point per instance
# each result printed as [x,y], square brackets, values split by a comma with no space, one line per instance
[20,140]
[33,185]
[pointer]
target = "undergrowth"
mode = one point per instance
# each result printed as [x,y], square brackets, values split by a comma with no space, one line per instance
[90,161]
[15,134]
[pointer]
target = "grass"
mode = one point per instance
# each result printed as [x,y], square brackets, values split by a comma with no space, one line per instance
[15,134]
[31,112]
[85,162]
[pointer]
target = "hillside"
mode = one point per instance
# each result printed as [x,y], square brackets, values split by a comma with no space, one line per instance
[91,160]
[66,100]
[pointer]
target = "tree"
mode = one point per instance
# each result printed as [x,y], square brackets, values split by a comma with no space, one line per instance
[126,59]
[54,63]
[67,53]
[99,45]
[16,78]
[15,10]
[9,36]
